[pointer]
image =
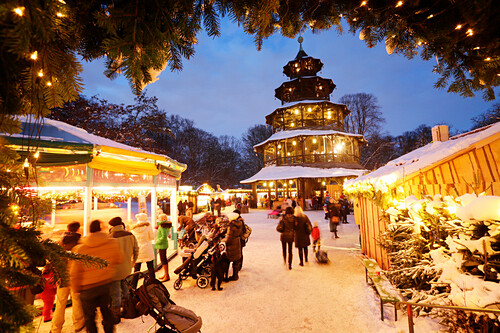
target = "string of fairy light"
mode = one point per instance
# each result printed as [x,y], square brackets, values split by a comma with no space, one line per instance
[468,32]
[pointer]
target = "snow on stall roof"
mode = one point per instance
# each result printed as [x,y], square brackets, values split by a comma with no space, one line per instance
[82,134]
[427,155]
[303,132]
[292,172]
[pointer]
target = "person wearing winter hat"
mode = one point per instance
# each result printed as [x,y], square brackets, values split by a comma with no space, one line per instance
[161,243]
[130,250]
[233,242]
[143,232]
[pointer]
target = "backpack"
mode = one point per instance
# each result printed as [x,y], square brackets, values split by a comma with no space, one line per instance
[245,233]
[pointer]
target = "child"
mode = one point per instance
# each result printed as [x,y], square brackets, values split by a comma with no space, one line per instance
[48,294]
[315,234]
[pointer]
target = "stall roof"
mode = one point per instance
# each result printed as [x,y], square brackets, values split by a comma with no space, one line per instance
[293,172]
[427,155]
[303,132]
[57,134]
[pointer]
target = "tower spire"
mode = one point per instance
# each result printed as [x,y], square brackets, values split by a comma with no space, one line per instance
[302,53]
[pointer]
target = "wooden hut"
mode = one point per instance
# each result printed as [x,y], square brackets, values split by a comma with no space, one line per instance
[466,163]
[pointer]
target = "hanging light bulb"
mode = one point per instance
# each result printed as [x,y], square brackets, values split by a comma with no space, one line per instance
[40,73]
[59,14]
[19,11]
[26,163]
[294,143]
[399,4]
[34,55]
[469,32]
[458,27]
[314,140]
[37,154]
[49,83]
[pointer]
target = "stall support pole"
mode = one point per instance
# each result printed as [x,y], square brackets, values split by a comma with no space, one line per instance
[154,200]
[173,215]
[129,209]
[87,201]
[95,203]
[53,215]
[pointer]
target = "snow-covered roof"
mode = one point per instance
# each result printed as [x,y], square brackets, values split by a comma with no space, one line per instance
[54,130]
[303,132]
[293,172]
[307,101]
[426,156]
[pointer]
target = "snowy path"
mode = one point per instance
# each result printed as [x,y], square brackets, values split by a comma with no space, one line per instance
[270,298]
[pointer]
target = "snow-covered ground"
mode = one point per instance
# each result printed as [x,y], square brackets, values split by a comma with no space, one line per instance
[270,298]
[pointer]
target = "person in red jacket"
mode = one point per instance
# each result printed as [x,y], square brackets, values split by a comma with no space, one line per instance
[316,235]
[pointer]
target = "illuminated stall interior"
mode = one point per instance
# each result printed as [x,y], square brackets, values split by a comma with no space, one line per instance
[79,168]
[310,151]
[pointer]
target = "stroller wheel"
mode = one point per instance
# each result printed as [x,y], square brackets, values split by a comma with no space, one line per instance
[201,282]
[178,284]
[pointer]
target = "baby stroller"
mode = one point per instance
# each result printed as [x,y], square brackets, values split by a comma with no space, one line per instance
[198,264]
[153,298]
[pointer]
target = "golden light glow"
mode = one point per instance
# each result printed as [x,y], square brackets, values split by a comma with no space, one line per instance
[288,154]
[419,43]
[265,184]
[292,124]
[26,163]
[34,55]
[323,183]
[309,109]
[279,146]
[470,32]
[271,183]
[363,3]
[19,11]
[40,73]
[430,16]
[59,14]
[294,143]
[399,4]
[487,59]
[296,111]
[290,182]
[49,83]
[314,140]
[37,154]
[458,27]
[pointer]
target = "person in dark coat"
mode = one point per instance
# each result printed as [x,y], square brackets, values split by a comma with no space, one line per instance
[333,215]
[233,242]
[189,226]
[286,227]
[303,229]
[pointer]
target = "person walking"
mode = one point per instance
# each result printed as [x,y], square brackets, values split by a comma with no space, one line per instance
[94,282]
[161,244]
[143,232]
[233,243]
[286,227]
[333,215]
[303,229]
[69,240]
[130,250]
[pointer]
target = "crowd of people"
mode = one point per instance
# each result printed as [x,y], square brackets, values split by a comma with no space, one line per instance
[125,248]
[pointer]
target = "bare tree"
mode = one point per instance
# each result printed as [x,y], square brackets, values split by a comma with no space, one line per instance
[253,161]
[365,117]
[491,116]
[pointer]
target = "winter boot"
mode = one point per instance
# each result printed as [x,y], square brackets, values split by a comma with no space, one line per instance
[165,276]
[336,236]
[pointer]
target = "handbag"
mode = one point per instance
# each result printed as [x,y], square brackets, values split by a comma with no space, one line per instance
[335,219]
[280,227]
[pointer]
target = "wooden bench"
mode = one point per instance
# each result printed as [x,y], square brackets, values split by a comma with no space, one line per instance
[385,290]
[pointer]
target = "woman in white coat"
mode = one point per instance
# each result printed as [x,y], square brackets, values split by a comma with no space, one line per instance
[144,234]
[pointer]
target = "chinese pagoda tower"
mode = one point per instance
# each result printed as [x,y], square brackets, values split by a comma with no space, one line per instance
[309,151]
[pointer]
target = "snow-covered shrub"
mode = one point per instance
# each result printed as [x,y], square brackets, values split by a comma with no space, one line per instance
[447,251]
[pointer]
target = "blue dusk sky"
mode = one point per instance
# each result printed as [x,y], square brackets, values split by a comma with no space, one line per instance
[228,86]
